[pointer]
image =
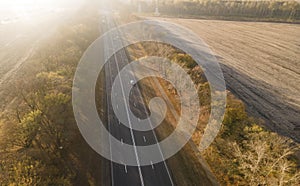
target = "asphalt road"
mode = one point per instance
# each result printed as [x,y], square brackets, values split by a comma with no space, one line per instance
[155,174]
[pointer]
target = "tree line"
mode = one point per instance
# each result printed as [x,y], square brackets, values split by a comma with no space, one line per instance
[271,10]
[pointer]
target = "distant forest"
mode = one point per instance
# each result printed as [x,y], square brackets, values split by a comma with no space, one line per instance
[230,9]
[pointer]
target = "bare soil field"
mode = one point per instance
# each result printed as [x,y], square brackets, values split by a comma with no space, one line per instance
[261,66]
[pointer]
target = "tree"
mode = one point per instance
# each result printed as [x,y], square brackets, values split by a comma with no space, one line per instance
[29,127]
[265,158]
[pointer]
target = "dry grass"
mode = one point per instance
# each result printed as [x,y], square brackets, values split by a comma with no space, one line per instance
[187,167]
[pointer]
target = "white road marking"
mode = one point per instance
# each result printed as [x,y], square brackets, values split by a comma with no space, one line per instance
[122,141]
[125,168]
[131,131]
[111,163]
[156,137]
[144,138]
[156,141]
[152,164]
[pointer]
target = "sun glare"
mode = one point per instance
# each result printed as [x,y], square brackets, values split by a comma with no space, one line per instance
[15,10]
[29,4]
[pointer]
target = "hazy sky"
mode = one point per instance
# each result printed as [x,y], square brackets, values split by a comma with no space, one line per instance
[8,4]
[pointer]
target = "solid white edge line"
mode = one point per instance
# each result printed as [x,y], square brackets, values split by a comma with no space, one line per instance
[131,131]
[156,139]
[111,163]
[169,175]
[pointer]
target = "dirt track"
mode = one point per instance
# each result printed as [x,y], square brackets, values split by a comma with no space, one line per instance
[261,65]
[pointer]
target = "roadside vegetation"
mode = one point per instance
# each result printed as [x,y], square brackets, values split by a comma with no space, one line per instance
[40,143]
[39,140]
[248,10]
[244,153]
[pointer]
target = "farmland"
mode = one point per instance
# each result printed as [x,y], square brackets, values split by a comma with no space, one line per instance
[261,65]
